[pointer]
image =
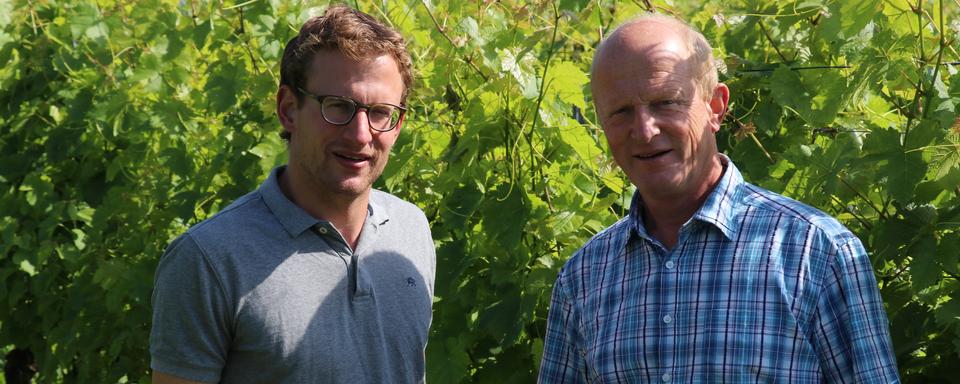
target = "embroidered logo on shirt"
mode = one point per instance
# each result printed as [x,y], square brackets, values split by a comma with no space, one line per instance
[411,282]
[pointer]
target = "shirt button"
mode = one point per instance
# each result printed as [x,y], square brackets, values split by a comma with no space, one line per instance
[670,264]
[666,377]
[668,319]
[322,230]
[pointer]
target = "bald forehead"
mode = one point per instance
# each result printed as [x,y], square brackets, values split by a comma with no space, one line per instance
[652,37]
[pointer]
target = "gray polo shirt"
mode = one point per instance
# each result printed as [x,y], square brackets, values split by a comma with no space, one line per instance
[262,292]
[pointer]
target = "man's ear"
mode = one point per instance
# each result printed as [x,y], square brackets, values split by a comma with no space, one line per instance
[287,107]
[718,104]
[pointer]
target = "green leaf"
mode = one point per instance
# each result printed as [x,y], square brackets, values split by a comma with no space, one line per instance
[889,236]
[948,314]
[949,249]
[85,18]
[447,360]
[505,213]
[567,80]
[903,170]
[459,206]
[78,240]
[513,64]
[500,318]
[831,89]
[578,137]
[224,86]
[924,269]
[789,91]
[847,18]
[28,267]
[456,259]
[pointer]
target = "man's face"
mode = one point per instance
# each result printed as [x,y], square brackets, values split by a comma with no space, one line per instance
[346,159]
[658,124]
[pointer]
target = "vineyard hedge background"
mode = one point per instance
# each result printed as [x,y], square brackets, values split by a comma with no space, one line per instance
[123,122]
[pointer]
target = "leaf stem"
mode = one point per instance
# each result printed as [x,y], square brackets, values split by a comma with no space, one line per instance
[950,274]
[455,47]
[864,222]
[776,47]
[936,68]
[543,82]
[918,91]
[862,197]
[797,68]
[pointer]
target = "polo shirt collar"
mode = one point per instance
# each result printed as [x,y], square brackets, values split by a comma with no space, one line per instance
[376,214]
[719,210]
[293,218]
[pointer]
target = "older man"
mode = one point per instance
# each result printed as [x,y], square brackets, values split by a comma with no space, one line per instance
[314,277]
[709,278]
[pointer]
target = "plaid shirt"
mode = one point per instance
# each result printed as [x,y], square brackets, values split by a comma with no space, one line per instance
[759,288]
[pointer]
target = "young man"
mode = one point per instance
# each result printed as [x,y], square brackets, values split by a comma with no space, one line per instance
[313,277]
[709,279]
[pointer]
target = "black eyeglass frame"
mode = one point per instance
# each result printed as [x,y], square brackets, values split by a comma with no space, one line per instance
[356,108]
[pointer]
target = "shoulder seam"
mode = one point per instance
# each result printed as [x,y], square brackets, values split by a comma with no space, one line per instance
[835,230]
[220,285]
[235,205]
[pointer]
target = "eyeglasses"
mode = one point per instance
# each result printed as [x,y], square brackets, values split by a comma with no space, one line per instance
[340,110]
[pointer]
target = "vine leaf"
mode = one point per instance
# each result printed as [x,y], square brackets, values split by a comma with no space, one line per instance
[924,269]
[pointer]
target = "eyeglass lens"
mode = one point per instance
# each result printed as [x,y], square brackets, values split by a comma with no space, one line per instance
[339,110]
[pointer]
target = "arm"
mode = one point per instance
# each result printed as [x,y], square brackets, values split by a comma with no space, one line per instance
[851,328]
[190,333]
[562,360]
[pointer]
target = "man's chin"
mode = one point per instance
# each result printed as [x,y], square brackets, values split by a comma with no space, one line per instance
[354,185]
[354,188]
[348,191]
[658,184]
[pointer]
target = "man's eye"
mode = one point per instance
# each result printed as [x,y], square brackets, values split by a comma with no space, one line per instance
[670,103]
[338,104]
[381,111]
[622,111]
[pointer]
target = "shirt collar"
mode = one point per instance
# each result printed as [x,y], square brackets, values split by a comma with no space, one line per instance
[718,210]
[376,214]
[295,220]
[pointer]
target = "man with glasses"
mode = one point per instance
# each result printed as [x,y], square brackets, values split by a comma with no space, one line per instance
[709,279]
[314,277]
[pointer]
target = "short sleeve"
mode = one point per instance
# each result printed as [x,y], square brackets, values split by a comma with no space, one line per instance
[190,334]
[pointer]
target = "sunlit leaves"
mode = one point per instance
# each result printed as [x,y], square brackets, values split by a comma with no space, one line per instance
[123,123]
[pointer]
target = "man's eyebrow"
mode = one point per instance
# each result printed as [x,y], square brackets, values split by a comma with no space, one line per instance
[667,92]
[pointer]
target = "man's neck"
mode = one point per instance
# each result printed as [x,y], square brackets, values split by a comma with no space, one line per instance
[664,215]
[346,212]
[664,219]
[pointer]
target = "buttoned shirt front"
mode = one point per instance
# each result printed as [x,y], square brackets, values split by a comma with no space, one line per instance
[759,288]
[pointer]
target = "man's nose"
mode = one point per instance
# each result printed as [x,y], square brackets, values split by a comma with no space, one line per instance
[645,126]
[359,128]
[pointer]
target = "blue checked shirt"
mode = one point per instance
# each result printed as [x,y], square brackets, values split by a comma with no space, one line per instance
[759,288]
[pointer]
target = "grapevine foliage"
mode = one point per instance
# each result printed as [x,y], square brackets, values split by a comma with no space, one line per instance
[122,123]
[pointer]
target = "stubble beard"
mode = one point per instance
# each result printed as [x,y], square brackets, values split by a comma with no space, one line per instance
[339,184]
